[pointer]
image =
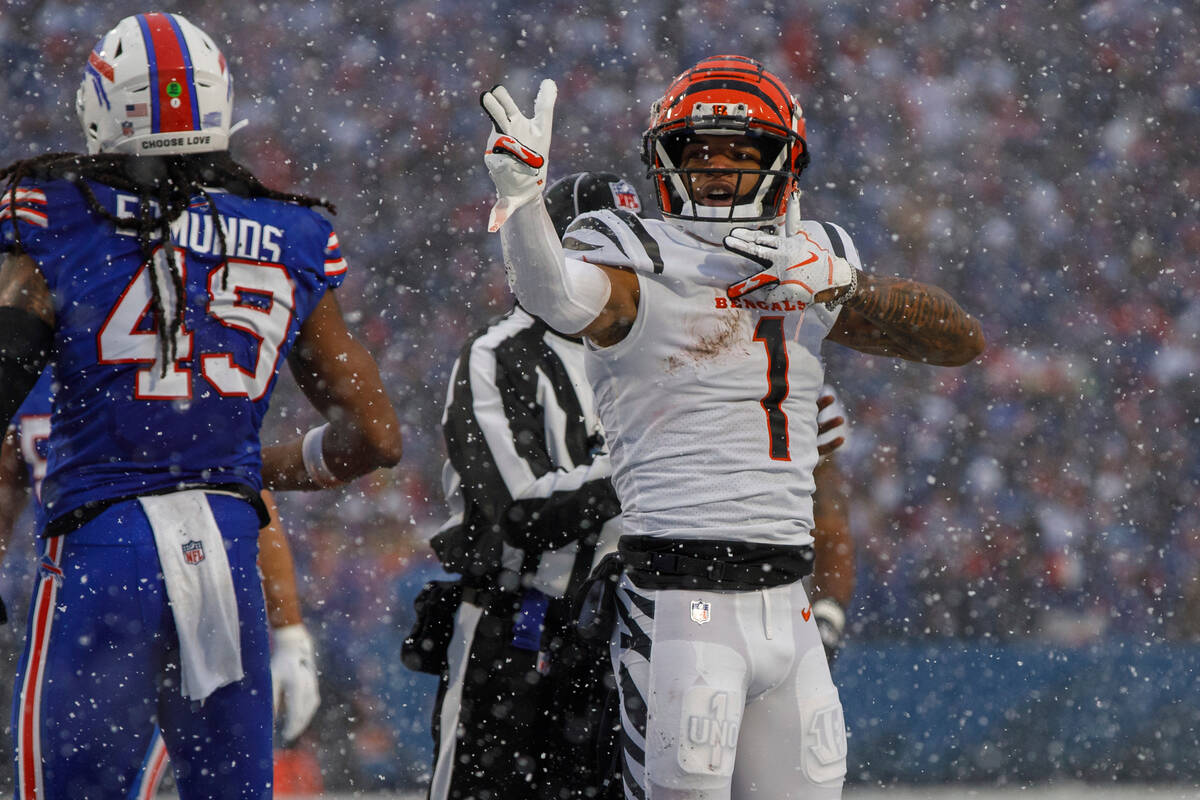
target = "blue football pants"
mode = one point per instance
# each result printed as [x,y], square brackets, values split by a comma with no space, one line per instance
[101,669]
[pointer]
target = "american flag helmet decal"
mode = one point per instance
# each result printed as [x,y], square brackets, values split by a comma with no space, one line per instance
[155,85]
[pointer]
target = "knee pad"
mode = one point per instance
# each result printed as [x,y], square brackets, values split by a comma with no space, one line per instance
[823,727]
[696,708]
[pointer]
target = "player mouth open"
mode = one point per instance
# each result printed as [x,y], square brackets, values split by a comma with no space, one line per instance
[719,189]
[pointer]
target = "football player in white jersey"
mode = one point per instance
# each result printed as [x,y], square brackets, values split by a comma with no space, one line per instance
[705,330]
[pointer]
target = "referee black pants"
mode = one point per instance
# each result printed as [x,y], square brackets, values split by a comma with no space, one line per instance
[504,730]
[492,711]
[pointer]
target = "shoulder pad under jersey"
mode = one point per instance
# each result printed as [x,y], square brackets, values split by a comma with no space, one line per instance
[615,238]
[839,241]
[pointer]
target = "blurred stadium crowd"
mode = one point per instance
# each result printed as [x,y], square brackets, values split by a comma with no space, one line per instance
[1035,159]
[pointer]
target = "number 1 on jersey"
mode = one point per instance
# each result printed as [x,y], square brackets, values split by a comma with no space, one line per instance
[770,333]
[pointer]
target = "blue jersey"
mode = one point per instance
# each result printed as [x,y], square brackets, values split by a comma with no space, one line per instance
[125,424]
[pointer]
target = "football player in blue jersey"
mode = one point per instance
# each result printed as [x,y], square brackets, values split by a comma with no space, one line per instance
[166,285]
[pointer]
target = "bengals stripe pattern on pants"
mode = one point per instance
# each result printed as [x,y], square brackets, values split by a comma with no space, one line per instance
[635,643]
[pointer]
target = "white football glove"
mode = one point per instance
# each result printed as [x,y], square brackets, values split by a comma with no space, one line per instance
[797,269]
[294,679]
[517,148]
[831,623]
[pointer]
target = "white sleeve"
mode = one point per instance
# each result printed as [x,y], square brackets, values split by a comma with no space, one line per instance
[567,294]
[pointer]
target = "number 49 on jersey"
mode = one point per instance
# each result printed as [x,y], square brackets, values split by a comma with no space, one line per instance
[256,298]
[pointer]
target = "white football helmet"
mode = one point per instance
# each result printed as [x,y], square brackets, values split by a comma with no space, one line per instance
[155,85]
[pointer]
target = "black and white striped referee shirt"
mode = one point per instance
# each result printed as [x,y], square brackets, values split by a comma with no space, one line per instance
[527,475]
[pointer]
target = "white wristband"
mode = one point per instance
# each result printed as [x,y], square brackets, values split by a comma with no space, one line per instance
[313,454]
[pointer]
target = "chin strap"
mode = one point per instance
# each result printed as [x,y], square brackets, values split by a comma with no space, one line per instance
[712,223]
[791,222]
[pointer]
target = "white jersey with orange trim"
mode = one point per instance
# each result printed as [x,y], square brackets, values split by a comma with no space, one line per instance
[709,403]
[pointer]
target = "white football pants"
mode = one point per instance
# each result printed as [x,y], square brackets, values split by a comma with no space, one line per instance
[726,696]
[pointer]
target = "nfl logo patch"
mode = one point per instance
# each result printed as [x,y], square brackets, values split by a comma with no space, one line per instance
[701,612]
[127,128]
[625,196]
[193,553]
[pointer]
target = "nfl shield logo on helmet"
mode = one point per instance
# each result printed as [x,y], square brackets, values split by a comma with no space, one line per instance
[193,553]
[625,196]
[701,611]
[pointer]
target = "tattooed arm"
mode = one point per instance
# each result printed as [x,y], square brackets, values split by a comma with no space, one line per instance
[910,320]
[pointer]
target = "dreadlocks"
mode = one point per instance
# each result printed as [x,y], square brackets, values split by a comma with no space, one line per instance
[164,186]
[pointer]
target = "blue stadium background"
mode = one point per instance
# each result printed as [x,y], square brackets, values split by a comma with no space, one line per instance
[1028,603]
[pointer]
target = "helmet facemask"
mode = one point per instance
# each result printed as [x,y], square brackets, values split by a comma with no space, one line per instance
[759,193]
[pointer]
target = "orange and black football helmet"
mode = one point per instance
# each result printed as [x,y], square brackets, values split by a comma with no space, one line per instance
[729,95]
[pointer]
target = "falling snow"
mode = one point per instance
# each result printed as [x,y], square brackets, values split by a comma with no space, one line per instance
[1027,528]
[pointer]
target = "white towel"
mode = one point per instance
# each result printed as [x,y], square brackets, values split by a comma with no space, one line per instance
[200,589]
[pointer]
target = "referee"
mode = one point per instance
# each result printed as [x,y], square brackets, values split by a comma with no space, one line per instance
[527,481]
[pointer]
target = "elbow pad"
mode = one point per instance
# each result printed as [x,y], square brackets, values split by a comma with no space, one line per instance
[567,294]
[25,342]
